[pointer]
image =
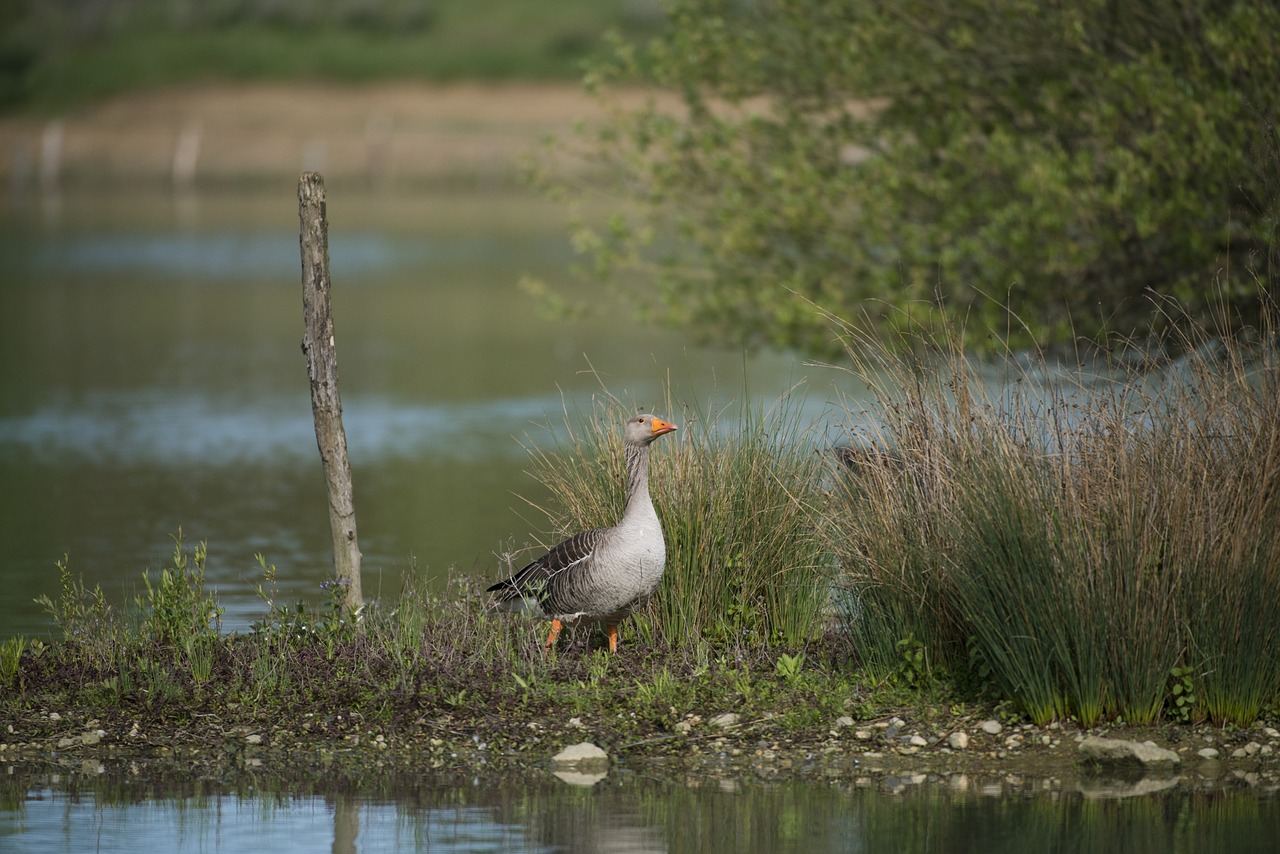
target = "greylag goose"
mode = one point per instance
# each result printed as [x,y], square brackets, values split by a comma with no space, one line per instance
[600,575]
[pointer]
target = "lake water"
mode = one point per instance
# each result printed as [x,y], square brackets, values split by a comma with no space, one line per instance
[153,382]
[133,807]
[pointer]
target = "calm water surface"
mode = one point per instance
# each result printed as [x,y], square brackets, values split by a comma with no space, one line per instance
[129,807]
[153,381]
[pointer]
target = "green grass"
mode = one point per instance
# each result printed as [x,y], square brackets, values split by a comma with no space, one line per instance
[1074,535]
[739,494]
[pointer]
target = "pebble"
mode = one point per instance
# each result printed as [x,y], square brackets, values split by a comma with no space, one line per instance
[725,721]
[253,739]
[844,721]
[862,735]
[918,741]
[582,754]
[958,740]
[992,727]
[1208,753]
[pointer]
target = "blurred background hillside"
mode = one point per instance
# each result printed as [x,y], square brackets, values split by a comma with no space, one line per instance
[54,53]
[242,92]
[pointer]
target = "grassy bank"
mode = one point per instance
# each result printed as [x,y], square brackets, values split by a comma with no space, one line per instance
[1049,547]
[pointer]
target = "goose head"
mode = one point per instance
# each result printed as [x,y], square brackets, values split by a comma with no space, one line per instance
[643,429]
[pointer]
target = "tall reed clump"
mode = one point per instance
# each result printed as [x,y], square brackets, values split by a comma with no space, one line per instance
[1071,534]
[738,493]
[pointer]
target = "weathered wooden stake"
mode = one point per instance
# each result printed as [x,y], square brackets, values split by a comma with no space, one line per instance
[322,369]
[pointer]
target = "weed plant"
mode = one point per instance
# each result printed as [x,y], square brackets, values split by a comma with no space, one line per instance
[1072,535]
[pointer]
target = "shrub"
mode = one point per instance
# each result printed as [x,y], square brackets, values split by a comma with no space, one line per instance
[1082,531]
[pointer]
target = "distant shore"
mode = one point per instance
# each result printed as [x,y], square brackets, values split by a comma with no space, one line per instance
[380,136]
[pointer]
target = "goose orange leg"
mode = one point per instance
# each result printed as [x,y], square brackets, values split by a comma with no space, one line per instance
[556,625]
[612,631]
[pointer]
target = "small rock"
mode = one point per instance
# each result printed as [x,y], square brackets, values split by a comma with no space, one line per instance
[1115,751]
[1266,750]
[581,755]
[862,734]
[725,721]
[958,740]
[1271,732]
[253,739]
[844,721]
[1239,753]
[992,727]
[917,741]
[90,737]
[576,723]
[66,741]
[683,727]
[54,716]
[1251,748]
[1208,753]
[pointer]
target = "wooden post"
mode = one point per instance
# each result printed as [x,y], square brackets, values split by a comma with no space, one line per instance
[322,369]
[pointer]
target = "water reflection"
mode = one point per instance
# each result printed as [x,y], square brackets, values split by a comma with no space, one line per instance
[125,806]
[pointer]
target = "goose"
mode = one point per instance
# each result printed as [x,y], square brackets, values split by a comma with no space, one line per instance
[600,575]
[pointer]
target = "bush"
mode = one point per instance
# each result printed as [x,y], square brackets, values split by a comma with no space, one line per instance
[1079,534]
[1060,160]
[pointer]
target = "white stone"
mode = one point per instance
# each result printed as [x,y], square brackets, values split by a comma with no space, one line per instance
[992,727]
[253,739]
[1271,732]
[683,727]
[1208,753]
[917,741]
[844,721]
[958,740]
[725,721]
[1115,751]
[1239,753]
[862,735]
[585,753]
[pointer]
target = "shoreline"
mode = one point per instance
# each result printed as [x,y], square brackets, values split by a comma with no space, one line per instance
[758,748]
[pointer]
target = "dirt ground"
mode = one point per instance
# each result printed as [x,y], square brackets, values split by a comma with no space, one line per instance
[245,134]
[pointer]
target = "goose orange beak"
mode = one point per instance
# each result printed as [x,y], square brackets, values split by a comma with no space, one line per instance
[660,427]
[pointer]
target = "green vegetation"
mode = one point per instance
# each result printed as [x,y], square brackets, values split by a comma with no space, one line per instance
[1098,543]
[943,162]
[59,52]
[1094,544]
[740,492]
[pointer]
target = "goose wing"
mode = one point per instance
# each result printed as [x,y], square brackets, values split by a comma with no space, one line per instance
[553,572]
